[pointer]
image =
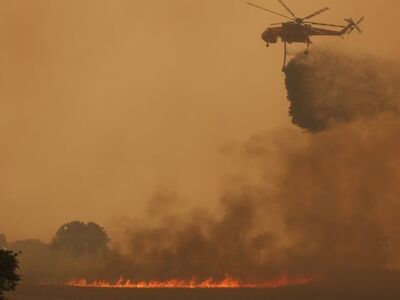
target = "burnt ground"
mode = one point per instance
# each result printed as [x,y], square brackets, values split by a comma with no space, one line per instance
[386,286]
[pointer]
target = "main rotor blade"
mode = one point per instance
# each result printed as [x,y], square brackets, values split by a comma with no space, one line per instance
[270,11]
[316,13]
[287,8]
[324,24]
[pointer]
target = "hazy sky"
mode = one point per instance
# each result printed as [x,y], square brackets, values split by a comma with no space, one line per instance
[104,103]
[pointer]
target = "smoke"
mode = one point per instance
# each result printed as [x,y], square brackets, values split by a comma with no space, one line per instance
[332,206]
[339,191]
[202,244]
[327,203]
[325,200]
[339,194]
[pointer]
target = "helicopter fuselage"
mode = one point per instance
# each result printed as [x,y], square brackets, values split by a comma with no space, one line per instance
[288,32]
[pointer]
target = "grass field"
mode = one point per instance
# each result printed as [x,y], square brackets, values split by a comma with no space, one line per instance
[386,288]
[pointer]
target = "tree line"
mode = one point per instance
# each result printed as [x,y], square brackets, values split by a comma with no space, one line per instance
[76,249]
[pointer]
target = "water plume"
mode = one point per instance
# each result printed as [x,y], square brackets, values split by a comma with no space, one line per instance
[328,87]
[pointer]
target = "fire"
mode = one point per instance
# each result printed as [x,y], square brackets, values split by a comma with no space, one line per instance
[227,283]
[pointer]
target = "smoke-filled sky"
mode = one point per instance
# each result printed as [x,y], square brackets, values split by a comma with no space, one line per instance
[105,103]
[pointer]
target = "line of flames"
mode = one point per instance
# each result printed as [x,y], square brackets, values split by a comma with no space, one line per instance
[227,282]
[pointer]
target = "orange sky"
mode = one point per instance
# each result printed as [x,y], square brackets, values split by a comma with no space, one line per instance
[103,103]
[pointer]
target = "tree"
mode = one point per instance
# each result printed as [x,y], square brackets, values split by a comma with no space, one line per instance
[79,238]
[8,268]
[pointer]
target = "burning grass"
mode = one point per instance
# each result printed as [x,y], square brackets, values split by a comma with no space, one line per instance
[228,282]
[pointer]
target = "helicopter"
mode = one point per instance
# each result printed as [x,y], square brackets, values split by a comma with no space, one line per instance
[299,30]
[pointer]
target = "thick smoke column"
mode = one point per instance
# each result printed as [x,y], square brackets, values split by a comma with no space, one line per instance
[332,196]
[204,245]
[329,87]
[339,193]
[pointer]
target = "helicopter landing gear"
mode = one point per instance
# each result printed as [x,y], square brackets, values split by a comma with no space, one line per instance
[308,47]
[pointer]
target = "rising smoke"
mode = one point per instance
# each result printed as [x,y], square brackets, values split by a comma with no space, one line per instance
[334,194]
[327,203]
[204,245]
[339,192]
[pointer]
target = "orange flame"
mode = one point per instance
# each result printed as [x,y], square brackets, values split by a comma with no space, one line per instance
[228,283]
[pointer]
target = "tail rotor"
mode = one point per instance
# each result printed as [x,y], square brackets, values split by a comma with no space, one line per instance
[354,25]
